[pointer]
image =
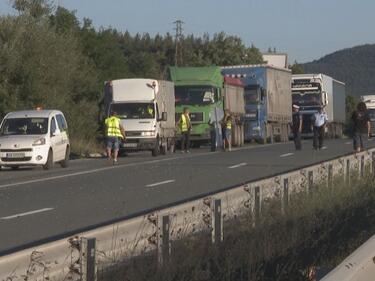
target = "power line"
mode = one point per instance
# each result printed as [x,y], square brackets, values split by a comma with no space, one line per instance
[178,42]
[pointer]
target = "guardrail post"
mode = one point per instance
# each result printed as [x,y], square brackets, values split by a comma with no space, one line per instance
[330,176]
[285,197]
[310,177]
[362,166]
[347,173]
[88,259]
[164,246]
[257,204]
[217,221]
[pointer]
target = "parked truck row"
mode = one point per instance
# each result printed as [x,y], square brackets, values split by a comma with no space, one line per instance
[258,97]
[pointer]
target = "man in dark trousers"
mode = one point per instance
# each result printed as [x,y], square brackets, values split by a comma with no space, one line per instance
[296,127]
[361,126]
[184,125]
[319,122]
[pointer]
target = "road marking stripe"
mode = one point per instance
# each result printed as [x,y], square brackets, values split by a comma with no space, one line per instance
[160,183]
[27,214]
[324,147]
[286,154]
[349,142]
[238,165]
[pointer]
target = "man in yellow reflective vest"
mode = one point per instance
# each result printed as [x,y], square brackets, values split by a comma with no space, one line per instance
[184,125]
[226,125]
[115,133]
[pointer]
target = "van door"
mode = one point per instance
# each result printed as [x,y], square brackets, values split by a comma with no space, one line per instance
[61,123]
[56,141]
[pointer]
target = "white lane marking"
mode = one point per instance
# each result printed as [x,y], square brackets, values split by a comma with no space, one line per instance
[324,147]
[348,142]
[160,183]
[238,165]
[27,214]
[286,155]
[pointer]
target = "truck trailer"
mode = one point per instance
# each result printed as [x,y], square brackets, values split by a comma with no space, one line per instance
[206,93]
[268,101]
[311,91]
[146,108]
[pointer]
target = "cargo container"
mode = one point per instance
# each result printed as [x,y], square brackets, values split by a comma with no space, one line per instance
[268,101]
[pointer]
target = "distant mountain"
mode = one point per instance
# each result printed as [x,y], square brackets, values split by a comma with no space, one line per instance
[354,66]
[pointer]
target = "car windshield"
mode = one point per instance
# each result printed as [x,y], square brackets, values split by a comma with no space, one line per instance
[134,110]
[306,98]
[195,95]
[24,126]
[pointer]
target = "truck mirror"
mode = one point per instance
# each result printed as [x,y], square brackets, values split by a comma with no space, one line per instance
[164,116]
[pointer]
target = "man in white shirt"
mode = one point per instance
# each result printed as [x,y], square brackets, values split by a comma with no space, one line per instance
[319,121]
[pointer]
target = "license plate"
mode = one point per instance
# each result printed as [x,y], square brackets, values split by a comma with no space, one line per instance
[130,145]
[15,155]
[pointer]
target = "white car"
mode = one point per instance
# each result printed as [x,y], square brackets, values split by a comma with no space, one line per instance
[35,137]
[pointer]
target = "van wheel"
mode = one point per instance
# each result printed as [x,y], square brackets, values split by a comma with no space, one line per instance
[65,163]
[49,162]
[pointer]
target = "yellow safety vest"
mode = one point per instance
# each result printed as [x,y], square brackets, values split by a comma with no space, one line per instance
[113,127]
[229,124]
[184,123]
[150,111]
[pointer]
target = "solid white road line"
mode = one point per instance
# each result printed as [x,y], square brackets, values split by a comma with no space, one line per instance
[324,147]
[160,183]
[27,214]
[286,154]
[238,165]
[349,142]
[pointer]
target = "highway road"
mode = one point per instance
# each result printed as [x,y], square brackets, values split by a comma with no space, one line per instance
[37,204]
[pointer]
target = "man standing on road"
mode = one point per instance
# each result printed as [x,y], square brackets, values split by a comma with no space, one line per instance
[296,127]
[362,126]
[226,124]
[319,121]
[115,133]
[184,125]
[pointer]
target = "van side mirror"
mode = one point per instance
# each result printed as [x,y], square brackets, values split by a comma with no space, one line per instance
[164,116]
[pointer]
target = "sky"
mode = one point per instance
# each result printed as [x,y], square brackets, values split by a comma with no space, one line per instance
[304,29]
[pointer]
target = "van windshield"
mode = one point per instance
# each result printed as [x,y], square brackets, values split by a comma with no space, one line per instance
[134,110]
[24,126]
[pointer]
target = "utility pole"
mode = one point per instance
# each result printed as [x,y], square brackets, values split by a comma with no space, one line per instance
[178,42]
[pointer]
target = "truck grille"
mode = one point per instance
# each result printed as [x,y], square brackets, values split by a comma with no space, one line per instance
[133,134]
[306,124]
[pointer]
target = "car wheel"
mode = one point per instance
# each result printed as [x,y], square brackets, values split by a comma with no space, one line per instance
[49,162]
[65,163]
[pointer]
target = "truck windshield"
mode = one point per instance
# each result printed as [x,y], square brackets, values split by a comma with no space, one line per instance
[24,126]
[195,95]
[252,95]
[134,110]
[312,98]
[371,113]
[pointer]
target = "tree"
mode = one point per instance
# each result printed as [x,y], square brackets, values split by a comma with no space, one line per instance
[33,8]
[296,68]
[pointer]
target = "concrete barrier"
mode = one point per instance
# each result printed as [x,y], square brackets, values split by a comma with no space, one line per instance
[62,259]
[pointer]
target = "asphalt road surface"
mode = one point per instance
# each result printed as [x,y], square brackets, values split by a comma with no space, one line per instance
[36,204]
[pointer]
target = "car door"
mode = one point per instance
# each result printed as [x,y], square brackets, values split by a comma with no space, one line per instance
[61,123]
[56,140]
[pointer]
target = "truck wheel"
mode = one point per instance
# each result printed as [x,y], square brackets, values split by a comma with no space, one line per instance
[156,151]
[65,163]
[163,148]
[49,162]
[242,135]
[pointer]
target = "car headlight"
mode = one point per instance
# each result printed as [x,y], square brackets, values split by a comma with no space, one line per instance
[40,141]
[148,134]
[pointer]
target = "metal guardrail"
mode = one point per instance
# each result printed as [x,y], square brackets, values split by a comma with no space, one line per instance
[78,257]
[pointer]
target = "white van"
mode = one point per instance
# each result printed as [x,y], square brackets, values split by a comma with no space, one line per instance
[35,137]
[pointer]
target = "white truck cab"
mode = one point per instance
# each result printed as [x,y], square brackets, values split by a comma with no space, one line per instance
[34,138]
[146,108]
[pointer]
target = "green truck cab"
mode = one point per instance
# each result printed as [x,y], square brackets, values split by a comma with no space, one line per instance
[201,90]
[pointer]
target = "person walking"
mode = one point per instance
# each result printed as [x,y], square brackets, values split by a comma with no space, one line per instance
[114,133]
[319,121]
[361,126]
[185,128]
[226,124]
[296,127]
